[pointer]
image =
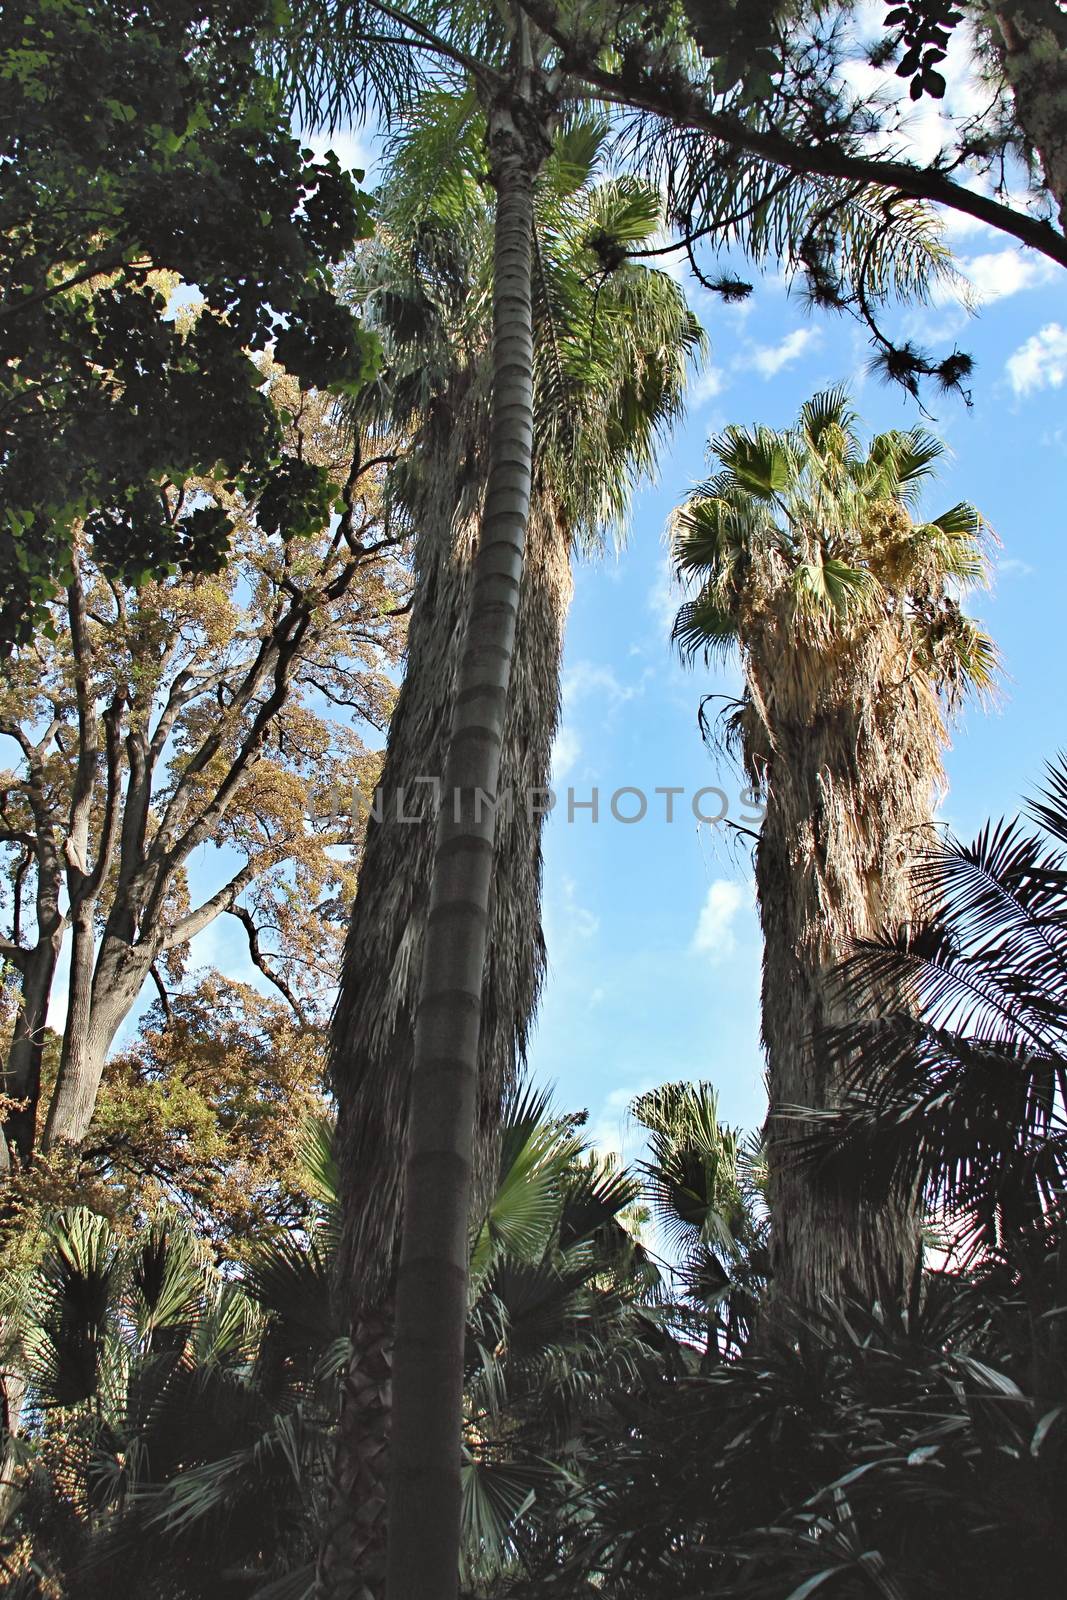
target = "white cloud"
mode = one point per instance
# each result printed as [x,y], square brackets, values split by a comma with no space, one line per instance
[712,382]
[586,678]
[768,360]
[995,275]
[1012,567]
[714,934]
[958,225]
[592,681]
[919,131]
[612,1130]
[565,753]
[673,265]
[579,919]
[1041,362]
[664,597]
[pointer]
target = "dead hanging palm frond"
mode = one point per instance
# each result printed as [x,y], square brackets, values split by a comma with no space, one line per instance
[964,1094]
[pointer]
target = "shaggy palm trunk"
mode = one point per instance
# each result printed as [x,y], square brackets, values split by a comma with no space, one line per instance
[431,1305]
[1030,39]
[847,747]
[352,1555]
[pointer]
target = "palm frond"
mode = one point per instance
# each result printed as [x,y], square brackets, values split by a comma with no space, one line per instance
[832,586]
[760,463]
[959,1089]
[1049,806]
[318,1159]
[576,152]
[71,1330]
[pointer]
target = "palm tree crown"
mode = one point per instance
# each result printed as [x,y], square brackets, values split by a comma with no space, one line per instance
[806,531]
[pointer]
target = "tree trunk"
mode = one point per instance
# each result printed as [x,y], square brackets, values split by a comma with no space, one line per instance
[371,1043]
[13,1391]
[1030,39]
[352,1555]
[849,770]
[102,994]
[374,1021]
[22,1073]
[431,1310]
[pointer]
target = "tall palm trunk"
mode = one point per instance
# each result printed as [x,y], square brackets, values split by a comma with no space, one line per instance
[847,746]
[372,1035]
[1030,39]
[431,1303]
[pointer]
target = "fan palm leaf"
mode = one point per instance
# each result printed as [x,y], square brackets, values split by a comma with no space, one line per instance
[965,1094]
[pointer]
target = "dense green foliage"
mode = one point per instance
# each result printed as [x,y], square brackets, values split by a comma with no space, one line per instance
[144,152]
[915,1445]
[179,1418]
[629,1433]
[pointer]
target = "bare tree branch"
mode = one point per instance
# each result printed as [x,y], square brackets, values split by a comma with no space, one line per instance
[13,953]
[161,990]
[196,921]
[247,921]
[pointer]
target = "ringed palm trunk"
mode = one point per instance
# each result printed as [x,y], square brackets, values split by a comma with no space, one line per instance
[431,1302]
[372,1035]
[1030,39]
[847,748]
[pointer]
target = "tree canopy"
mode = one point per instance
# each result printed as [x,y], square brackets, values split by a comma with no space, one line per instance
[146,153]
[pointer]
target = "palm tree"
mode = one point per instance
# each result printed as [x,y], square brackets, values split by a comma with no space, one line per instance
[705,1182]
[564,1314]
[853,646]
[520,79]
[609,373]
[132,1351]
[432,1277]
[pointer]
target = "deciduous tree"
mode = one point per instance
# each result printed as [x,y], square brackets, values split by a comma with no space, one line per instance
[193,713]
[204,1111]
